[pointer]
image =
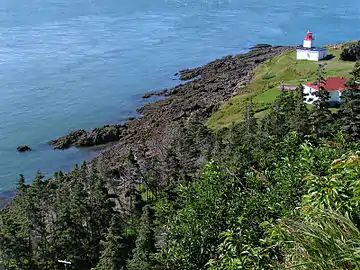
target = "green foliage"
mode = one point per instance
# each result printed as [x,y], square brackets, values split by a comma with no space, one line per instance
[288,70]
[350,110]
[193,230]
[354,80]
[115,249]
[61,218]
[338,189]
[351,53]
[322,240]
[325,232]
[145,243]
[263,194]
[268,76]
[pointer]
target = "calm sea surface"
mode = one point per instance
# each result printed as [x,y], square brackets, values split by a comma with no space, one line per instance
[69,64]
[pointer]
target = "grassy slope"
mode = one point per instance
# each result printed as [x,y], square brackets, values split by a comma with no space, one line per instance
[267,78]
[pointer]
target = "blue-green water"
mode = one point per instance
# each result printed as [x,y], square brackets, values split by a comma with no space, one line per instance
[69,64]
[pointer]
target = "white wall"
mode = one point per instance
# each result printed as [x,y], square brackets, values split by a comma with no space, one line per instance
[310,55]
[309,95]
[340,98]
[307,43]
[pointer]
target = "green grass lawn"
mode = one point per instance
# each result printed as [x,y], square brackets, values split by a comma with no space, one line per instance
[267,78]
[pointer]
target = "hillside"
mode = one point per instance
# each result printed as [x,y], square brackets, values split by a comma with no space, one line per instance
[272,193]
[264,87]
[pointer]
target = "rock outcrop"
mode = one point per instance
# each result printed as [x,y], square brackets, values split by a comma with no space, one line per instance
[205,89]
[158,93]
[82,138]
[23,148]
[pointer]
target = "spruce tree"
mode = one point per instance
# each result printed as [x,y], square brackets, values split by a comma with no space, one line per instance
[250,120]
[114,250]
[278,122]
[350,114]
[15,231]
[70,235]
[300,118]
[145,243]
[350,110]
[321,115]
[99,213]
[354,80]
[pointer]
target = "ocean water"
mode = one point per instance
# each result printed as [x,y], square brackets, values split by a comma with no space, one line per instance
[70,64]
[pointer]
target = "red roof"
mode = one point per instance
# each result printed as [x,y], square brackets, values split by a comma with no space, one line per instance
[330,84]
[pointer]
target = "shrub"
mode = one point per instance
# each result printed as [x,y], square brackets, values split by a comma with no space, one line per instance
[351,53]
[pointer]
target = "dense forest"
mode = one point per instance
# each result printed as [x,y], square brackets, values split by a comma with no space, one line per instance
[272,193]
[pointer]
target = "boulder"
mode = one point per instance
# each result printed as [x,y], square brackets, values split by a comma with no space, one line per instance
[71,139]
[105,134]
[81,138]
[23,148]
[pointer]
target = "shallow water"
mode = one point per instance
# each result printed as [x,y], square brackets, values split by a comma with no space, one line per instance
[84,63]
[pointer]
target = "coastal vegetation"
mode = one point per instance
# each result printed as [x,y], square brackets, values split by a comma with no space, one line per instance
[267,78]
[272,193]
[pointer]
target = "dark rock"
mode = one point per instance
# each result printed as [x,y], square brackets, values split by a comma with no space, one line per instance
[260,46]
[147,95]
[105,134]
[158,93]
[81,138]
[23,148]
[72,139]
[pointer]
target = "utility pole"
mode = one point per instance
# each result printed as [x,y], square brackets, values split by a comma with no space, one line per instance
[65,262]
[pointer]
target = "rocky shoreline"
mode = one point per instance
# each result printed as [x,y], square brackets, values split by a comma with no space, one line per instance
[204,90]
[207,87]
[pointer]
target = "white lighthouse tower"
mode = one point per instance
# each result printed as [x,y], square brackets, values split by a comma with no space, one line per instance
[308,40]
[308,52]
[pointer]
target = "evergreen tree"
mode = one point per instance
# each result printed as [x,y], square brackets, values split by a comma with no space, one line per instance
[145,243]
[350,110]
[15,231]
[354,80]
[21,186]
[114,250]
[278,121]
[70,235]
[99,213]
[250,120]
[321,115]
[300,118]
[350,113]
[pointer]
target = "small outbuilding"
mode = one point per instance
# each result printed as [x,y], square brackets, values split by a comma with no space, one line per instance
[308,52]
[334,86]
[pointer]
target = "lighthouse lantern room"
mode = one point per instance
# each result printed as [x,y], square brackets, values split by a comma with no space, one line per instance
[308,52]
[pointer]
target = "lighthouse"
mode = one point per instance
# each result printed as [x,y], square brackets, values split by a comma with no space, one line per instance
[308,52]
[308,40]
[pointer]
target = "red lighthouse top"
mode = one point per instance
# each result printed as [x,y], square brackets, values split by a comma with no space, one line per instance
[309,36]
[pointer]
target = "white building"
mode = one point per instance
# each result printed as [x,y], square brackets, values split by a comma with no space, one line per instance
[334,86]
[308,52]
